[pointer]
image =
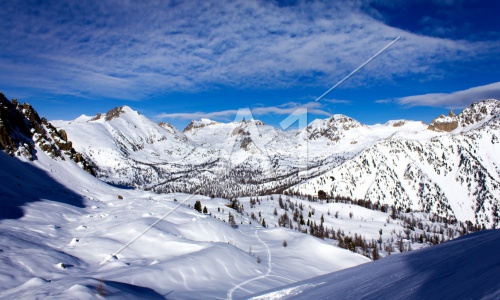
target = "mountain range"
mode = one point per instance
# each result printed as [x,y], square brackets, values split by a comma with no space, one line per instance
[448,167]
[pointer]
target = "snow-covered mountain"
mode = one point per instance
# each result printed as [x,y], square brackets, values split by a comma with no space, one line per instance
[67,234]
[447,167]
[127,146]
[475,115]
[333,128]
[455,175]
[232,159]
[471,272]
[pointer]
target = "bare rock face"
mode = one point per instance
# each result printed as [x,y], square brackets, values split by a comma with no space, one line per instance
[332,128]
[166,125]
[21,129]
[96,117]
[199,124]
[114,113]
[399,124]
[246,143]
[239,131]
[444,123]
[444,126]
[476,113]
[110,115]
[15,129]
[479,111]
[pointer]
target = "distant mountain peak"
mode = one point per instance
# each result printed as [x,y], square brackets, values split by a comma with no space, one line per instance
[166,125]
[252,122]
[199,124]
[343,121]
[113,113]
[401,122]
[479,111]
[332,127]
[444,123]
[475,113]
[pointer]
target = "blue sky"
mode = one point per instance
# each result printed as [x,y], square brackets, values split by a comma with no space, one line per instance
[180,60]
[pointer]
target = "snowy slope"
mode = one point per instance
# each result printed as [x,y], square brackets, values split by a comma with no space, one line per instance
[63,223]
[66,234]
[471,272]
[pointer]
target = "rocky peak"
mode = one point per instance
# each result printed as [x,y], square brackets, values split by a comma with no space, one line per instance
[332,127]
[96,117]
[199,124]
[252,122]
[166,125]
[174,131]
[344,122]
[444,123]
[114,113]
[399,123]
[21,129]
[477,112]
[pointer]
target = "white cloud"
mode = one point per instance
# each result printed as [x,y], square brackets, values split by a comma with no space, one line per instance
[223,114]
[130,50]
[227,115]
[455,100]
[383,101]
[337,101]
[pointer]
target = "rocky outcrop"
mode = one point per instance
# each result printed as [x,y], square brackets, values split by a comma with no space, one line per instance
[96,117]
[14,130]
[332,128]
[398,123]
[476,113]
[22,129]
[444,123]
[199,124]
[114,113]
[176,133]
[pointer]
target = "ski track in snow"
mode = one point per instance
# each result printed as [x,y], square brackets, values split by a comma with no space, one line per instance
[268,272]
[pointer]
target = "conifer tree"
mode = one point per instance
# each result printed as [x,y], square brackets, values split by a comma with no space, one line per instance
[375,254]
[232,222]
[197,206]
